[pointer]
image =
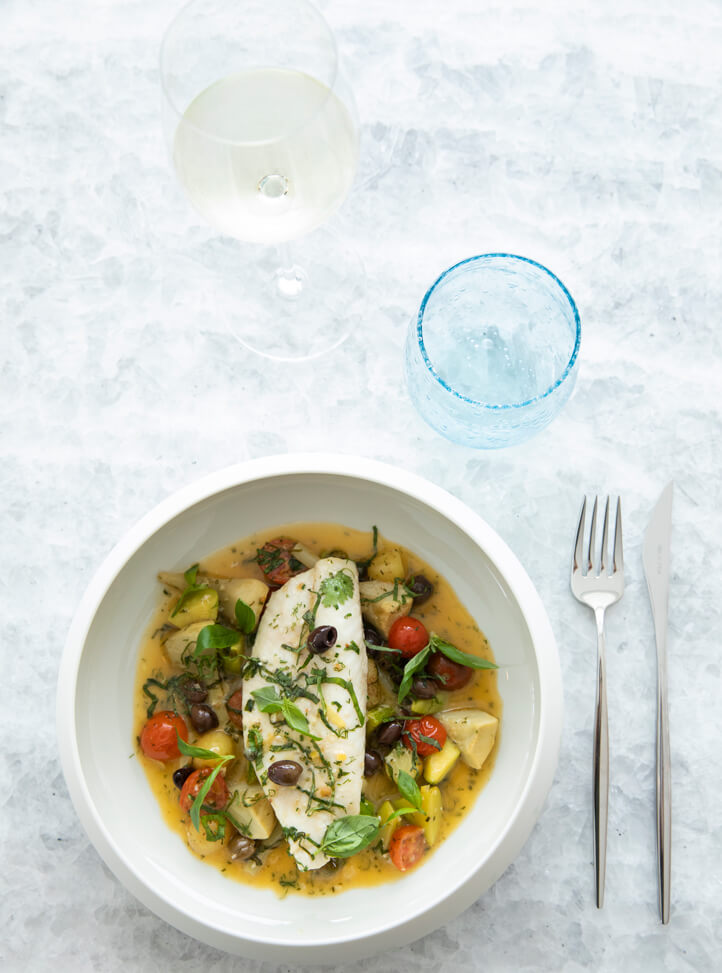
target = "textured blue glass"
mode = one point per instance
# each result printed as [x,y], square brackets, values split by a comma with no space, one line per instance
[493,354]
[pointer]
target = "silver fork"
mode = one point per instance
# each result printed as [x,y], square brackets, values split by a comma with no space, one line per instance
[595,585]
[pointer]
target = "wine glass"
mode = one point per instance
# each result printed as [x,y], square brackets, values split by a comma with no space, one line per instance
[263,135]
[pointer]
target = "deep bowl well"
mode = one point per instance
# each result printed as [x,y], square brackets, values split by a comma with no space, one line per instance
[95,689]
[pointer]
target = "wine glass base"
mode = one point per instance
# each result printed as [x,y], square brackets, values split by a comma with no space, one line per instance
[301,300]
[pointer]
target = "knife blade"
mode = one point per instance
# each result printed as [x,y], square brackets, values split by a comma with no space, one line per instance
[656,559]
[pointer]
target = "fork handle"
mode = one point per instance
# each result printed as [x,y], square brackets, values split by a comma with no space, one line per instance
[601,763]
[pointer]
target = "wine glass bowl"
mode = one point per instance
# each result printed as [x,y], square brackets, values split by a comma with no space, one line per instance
[260,124]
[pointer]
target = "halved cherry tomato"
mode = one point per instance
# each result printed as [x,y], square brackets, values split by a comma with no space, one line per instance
[429,727]
[217,797]
[277,562]
[234,706]
[451,675]
[407,846]
[158,739]
[408,635]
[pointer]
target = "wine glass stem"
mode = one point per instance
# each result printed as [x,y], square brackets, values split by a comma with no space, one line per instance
[290,278]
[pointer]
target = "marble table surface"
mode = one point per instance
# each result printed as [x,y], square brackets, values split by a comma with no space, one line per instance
[585,135]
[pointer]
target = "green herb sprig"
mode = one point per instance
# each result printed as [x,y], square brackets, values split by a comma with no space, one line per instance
[348,835]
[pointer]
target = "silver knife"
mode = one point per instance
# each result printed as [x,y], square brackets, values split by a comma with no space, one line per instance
[656,569]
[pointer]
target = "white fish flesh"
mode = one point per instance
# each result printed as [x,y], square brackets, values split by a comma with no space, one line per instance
[329,690]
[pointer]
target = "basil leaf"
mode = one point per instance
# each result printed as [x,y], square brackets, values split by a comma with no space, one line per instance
[382,648]
[191,574]
[367,808]
[219,820]
[429,741]
[409,789]
[188,750]
[201,796]
[215,637]
[348,835]
[295,719]
[245,617]
[398,812]
[267,699]
[410,669]
[456,655]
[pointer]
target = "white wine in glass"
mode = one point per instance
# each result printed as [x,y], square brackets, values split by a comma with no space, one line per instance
[263,136]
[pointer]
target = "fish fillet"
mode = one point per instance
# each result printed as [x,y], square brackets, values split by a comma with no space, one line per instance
[330,783]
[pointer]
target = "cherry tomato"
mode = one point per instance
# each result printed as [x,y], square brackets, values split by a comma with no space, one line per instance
[277,562]
[158,739]
[427,726]
[408,635]
[235,708]
[407,846]
[217,796]
[451,675]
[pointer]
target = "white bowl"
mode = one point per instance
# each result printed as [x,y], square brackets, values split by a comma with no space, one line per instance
[95,688]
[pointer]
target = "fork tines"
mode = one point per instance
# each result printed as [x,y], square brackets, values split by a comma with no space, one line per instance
[591,565]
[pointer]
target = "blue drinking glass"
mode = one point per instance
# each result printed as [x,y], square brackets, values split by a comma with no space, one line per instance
[492,355]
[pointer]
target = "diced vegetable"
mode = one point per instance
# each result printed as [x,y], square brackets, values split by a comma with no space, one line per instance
[387,566]
[380,607]
[426,706]
[201,845]
[378,715]
[432,806]
[415,817]
[195,606]
[252,591]
[387,830]
[438,765]
[178,644]
[217,741]
[401,758]
[251,811]
[474,733]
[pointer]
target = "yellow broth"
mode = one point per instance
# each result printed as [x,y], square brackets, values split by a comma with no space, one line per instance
[443,613]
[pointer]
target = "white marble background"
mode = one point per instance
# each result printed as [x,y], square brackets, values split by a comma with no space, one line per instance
[585,135]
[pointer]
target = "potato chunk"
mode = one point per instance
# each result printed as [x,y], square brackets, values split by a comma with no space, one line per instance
[380,607]
[473,731]
[387,566]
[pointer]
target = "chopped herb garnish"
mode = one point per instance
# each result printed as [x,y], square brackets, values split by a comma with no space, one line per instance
[336,589]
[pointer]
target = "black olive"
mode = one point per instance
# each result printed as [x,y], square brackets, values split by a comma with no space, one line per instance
[194,690]
[203,717]
[424,688]
[322,638]
[372,635]
[285,773]
[372,763]
[240,848]
[420,587]
[389,733]
[363,571]
[181,775]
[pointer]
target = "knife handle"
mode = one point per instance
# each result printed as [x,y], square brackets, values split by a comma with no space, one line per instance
[601,764]
[664,805]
